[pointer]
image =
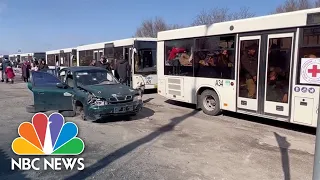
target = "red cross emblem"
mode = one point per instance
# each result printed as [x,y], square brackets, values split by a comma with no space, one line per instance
[314,71]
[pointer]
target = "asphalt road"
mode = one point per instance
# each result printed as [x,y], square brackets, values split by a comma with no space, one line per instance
[169,141]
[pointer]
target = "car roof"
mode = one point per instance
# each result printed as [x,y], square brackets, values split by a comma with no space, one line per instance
[84,68]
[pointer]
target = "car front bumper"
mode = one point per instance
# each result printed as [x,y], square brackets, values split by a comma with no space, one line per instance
[120,109]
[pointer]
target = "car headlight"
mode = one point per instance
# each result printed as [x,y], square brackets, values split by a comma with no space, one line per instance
[137,98]
[96,101]
[100,102]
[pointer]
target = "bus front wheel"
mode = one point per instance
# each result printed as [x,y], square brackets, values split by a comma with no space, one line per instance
[210,103]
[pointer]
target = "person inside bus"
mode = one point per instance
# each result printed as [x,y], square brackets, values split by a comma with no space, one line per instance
[249,62]
[276,90]
[174,58]
[224,64]
[310,56]
[273,55]
[174,52]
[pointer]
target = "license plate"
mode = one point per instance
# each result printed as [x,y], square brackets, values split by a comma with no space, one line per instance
[123,109]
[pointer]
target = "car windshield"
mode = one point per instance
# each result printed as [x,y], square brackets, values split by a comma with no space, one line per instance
[95,78]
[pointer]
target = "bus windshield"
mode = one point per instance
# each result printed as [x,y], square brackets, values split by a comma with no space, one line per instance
[145,61]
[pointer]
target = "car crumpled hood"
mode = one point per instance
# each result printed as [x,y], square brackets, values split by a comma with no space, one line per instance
[107,90]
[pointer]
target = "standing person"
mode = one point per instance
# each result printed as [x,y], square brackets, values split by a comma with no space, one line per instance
[4,65]
[26,71]
[2,71]
[43,66]
[102,63]
[123,70]
[93,63]
[108,66]
[35,65]
[249,62]
[9,74]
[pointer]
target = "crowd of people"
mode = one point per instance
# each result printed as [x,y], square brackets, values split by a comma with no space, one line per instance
[8,74]
[121,68]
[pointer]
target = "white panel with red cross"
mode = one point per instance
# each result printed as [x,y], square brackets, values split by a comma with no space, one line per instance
[310,71]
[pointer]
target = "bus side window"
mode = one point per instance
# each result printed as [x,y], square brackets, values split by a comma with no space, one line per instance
[215,57]
[309,47]
[178,57]
[278,69]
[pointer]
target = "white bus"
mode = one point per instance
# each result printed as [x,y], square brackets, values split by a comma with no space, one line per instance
[32,56]
[140,52]
[14,58]
[250,66]
[64,57]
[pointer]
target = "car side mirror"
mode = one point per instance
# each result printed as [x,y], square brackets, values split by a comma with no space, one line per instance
[61,85]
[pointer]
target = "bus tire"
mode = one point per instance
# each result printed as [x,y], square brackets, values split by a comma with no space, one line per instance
[210,103]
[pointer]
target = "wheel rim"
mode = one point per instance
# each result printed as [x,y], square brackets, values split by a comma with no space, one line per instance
[209,103]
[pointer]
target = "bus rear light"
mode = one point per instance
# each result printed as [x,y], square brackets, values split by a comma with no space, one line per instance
[225,104]
[231,83]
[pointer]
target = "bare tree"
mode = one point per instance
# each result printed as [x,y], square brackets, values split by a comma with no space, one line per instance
[151,27]
[295,5]
[217,15]
[242,14]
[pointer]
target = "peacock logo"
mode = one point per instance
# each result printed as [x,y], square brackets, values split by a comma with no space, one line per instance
[48,136]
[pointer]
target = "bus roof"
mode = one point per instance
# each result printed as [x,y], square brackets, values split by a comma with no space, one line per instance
[275,21]
[26,54]
[57,51]
[13,55]
[117,43]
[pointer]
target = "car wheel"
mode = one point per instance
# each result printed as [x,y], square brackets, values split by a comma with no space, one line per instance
[210,103]
[68,113]
[31,109]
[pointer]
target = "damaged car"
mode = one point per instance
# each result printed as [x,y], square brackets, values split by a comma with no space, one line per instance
[91,92]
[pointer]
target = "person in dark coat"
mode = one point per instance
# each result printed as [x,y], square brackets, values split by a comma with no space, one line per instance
[102,63]
[26,71]
[43,66]
[123,70]
[249,62]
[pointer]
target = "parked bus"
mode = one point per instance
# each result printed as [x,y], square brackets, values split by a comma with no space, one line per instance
[140,52]
[62,57]
[251,66]
[32,56]
[14,59]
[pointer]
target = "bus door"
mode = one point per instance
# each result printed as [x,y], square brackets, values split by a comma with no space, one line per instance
[277,73]
[264,74]
[109,54]
[98,54]
[248,73]
[62,59]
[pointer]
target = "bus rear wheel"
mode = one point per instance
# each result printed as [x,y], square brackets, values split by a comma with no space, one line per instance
[210,103]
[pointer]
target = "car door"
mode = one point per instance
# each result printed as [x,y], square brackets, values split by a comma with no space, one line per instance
[47,95]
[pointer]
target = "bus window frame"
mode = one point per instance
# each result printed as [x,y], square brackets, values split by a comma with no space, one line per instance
[300,46]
